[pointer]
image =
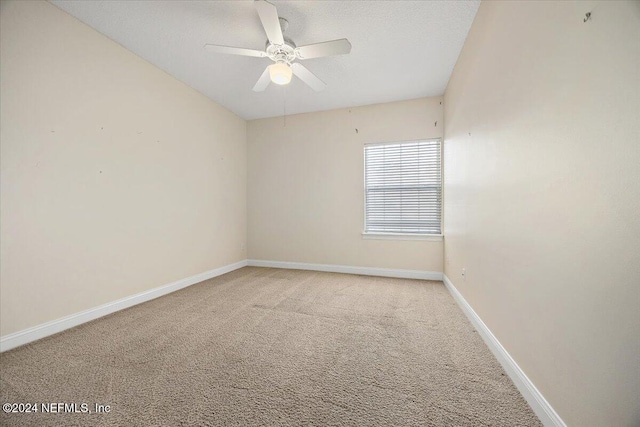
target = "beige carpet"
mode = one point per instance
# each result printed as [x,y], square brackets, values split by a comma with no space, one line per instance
[272,347]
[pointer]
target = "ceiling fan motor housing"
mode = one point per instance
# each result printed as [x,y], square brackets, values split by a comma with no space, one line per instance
[282,53]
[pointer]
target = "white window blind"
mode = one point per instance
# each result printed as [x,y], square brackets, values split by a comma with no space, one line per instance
[403,187]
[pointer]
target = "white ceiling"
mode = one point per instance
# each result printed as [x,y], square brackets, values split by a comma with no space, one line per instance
[401,49]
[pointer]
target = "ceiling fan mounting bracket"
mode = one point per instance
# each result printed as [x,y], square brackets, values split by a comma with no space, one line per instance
[284,24]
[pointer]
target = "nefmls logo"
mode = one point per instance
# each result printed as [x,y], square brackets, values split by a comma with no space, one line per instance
[59,407]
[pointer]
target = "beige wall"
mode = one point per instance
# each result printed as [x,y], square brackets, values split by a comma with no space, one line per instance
[542,189]
[116,178]
[306,187]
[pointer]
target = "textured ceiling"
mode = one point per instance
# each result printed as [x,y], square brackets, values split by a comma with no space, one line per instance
[401,49]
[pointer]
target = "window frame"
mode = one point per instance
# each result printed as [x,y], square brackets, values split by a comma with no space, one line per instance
[378,235]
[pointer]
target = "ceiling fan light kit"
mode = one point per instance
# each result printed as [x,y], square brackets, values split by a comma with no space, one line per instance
[280,73]
[284,52]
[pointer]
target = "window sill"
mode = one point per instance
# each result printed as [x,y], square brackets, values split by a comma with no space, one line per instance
[401,236]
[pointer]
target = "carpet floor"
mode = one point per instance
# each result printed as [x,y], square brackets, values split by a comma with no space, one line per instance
[271,347]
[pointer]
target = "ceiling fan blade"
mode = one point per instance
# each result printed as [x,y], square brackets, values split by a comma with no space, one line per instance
[263,81]
[334,47]
[234,50]
[308,77]
[269,17]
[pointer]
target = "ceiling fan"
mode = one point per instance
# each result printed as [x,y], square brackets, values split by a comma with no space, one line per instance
[284,52]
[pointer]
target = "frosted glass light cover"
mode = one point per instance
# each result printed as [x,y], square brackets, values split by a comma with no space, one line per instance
[280,73]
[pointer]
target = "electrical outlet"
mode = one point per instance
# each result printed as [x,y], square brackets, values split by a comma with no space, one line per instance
[464,273]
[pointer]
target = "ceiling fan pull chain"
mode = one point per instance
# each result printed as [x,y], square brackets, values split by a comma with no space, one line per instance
[284,112]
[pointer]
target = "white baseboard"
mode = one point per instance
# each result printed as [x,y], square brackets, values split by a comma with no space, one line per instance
[25,336]
[366,271]
[532,395]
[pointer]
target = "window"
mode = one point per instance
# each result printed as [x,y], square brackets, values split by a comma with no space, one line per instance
[403,188]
